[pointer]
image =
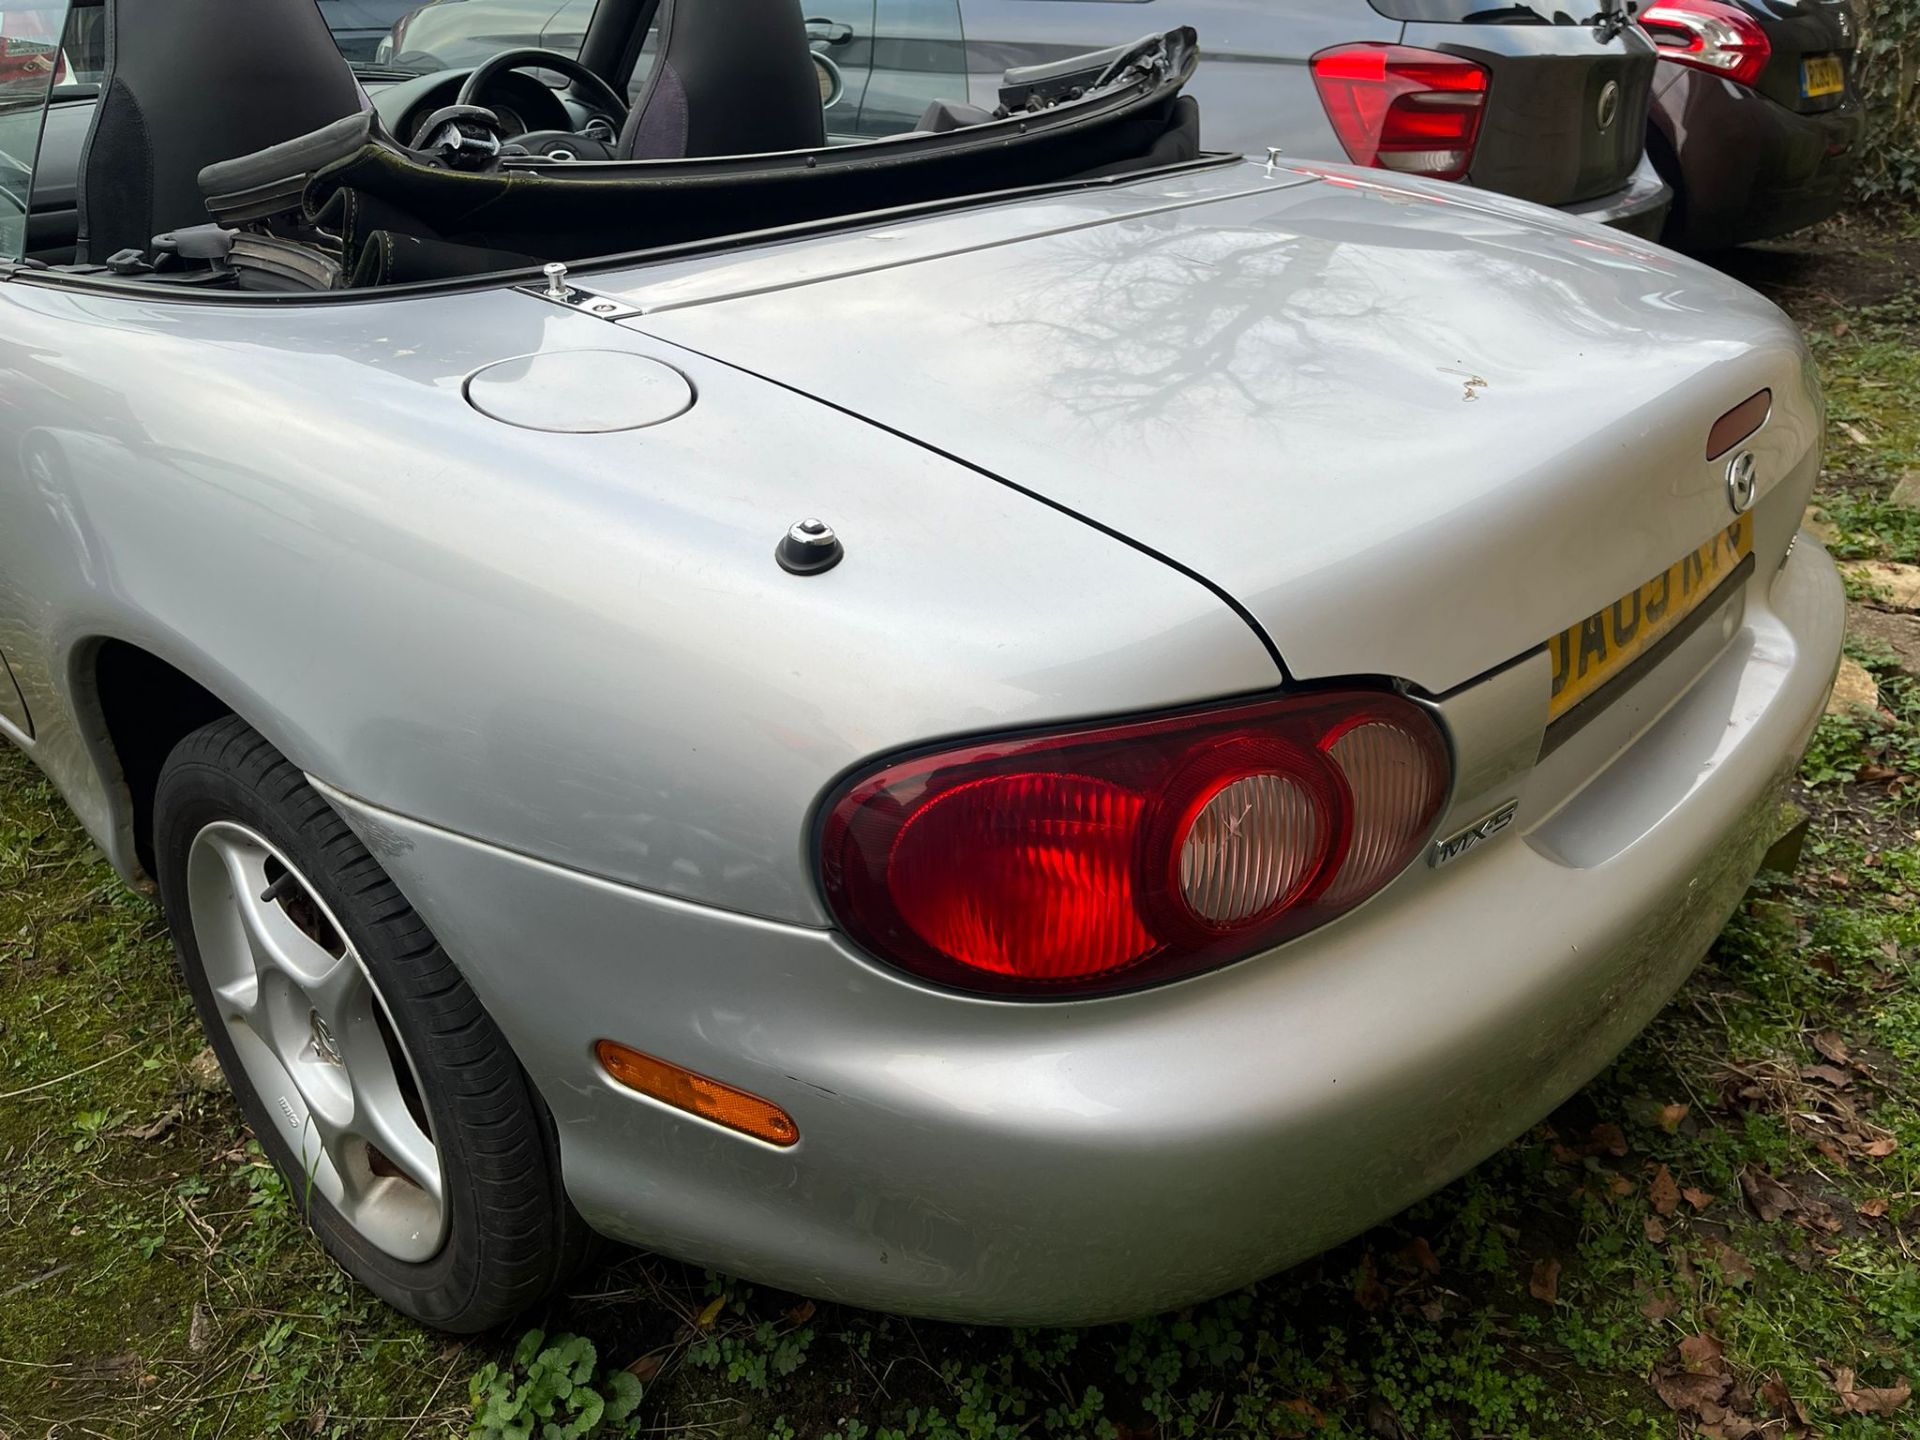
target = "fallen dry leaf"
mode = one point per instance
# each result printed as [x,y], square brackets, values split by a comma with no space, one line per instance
[801,1313]
[154,1128]
[1697,1198]
[1869,1400]
[1663,1193]
[200,1330]
[204,1072]
[1545,1283]
[1817,1215]
[1382,1422]
[1417,1254]
[1685,1390]
[710,1313]
[1830,1045]
[1368,1292]
[1881,1148]
[1608,1138]
[1656,1232]
[1683,1264]
[1768,1197]
[1873,1209]
[1702,1353]
[1780,1400]
[647,1367]
[1671,1115]
[1735,1268]
[1827,1075]
[1660,1305]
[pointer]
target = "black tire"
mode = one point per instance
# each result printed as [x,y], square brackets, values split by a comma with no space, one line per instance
[512,1237]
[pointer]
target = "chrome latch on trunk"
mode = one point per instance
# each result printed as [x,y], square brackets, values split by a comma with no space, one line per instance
[562,291]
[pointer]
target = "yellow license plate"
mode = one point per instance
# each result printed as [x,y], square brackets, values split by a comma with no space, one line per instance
[1588,655]
[1822,75]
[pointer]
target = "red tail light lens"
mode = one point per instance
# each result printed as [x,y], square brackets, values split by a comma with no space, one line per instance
[1118,856]
[1721,39]
[1398,108]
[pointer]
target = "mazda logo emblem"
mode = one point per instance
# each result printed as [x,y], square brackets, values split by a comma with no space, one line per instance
[1742,482]
[1608,110]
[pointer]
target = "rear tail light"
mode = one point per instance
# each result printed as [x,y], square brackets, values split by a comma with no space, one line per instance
[1720,39]
[1114,857]
[1398,108]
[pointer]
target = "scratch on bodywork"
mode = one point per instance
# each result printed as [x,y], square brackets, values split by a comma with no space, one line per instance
[381,839]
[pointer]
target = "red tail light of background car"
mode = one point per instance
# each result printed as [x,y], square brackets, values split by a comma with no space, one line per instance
[1720,39]
[1113,857]
[1399,108]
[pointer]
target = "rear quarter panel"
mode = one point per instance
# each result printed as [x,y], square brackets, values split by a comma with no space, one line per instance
[578,647]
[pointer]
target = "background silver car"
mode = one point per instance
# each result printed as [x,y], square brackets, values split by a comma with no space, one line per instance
[1022,761]
[1539,100]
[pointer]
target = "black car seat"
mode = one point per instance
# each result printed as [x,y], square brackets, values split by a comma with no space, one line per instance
[191,82]
[731,77]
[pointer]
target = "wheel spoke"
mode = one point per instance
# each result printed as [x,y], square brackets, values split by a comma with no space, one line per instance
[276,942]
[383,1120]
[240,1001]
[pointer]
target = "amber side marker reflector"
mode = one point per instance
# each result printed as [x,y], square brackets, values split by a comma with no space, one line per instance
[1738,423]
[681,1088]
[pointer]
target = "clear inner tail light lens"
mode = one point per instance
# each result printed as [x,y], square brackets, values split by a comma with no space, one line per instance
[1708,35]
[1112,857]
[1399,108]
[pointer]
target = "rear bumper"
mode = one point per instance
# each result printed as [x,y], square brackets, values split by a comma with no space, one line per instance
[997,1162]
[1640,208]
[1745,167]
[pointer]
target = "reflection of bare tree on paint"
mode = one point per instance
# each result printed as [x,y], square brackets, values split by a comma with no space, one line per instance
[1160,322]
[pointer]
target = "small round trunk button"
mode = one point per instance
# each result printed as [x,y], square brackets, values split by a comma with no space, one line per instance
[809,548]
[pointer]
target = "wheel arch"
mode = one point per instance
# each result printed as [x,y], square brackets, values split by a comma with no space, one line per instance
[134,702]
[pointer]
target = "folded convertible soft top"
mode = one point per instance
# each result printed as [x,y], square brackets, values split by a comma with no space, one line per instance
[395,217]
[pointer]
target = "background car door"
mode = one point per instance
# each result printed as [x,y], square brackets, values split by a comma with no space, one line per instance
[358,26]
[842,32]
[1253,86]
[32,62]
[919,56]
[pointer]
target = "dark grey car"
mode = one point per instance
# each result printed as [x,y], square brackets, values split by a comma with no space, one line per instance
[1539,100]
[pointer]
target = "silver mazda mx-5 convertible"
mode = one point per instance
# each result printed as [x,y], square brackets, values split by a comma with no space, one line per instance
[1020,722]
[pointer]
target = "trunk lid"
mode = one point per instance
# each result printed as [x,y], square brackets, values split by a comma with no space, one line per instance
[1411,430]
[1798,31]
[1566,111]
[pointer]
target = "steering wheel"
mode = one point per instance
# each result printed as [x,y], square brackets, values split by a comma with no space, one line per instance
[594,92]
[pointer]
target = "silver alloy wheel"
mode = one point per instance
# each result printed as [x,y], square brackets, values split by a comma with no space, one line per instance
[316,1041]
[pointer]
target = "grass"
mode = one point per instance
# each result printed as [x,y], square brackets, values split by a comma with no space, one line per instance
[1716,1237]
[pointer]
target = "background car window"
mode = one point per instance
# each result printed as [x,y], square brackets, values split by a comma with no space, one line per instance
[1503,12]
[919,56]
[30,62]
[83,53]
[451,34]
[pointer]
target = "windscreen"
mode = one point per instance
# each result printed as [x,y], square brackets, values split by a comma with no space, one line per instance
[32,61]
